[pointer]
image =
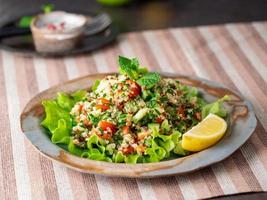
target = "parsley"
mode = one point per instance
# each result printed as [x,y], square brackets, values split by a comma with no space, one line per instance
[122,119]
[93,119]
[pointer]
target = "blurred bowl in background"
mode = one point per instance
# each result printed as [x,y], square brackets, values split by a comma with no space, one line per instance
[57,31]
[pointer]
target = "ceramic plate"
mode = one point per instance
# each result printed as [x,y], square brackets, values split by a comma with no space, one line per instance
[241,120]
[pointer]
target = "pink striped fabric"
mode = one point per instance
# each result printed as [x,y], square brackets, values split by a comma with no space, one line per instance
[233,54]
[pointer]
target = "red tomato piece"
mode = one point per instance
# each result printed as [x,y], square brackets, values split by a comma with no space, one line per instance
[102,107]
[106,136]
[159,120]
[181,112]
[128,150]
[107,126]
[120,106]
[198,116]
[80,107]
[104,101]
[125,130]
[86,122]
[135,89]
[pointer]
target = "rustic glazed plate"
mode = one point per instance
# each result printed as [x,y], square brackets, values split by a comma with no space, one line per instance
[241,124]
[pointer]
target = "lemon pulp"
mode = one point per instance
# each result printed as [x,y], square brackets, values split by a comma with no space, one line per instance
[208,132]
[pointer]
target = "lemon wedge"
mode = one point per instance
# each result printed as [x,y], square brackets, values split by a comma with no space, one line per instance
[208,132]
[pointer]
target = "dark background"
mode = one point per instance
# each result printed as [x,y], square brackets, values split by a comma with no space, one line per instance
[151,14]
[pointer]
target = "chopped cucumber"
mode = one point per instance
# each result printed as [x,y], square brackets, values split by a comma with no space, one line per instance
[140,114]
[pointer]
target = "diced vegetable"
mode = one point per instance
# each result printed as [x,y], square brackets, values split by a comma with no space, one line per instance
[107,126]
[140,114]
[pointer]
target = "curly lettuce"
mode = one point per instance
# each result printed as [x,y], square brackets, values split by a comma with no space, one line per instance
[216,108]
[58,120]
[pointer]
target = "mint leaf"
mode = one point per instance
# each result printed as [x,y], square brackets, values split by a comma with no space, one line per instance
[129,67]
[149,80]
[142,70]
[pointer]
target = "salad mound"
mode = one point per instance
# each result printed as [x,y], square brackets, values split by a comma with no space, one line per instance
[135,116]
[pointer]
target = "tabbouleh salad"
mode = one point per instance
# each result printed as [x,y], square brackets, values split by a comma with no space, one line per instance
[135,116]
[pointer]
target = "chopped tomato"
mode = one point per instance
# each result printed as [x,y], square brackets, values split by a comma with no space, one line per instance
[104,101]
[181,112]
[120,87]
[120,106]
[86,122]
[80,107]
[107,126]
[106,136]
[135,89]
[127,150]
[102,107]
[197,116]
[125,130]
[159,120]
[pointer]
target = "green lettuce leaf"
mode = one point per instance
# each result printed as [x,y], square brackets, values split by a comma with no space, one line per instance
[61,134]
[179,150]
[96,149]
[72,148]
[155,153]
[165,126]
[215,108]
[79,95]
[132,159]
[95,144]
[176,137]
[65,101]
[53,114]
[154,127]
[166,142]
[118,157]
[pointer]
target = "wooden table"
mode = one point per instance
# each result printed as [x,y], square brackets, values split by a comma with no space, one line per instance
[233,54]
